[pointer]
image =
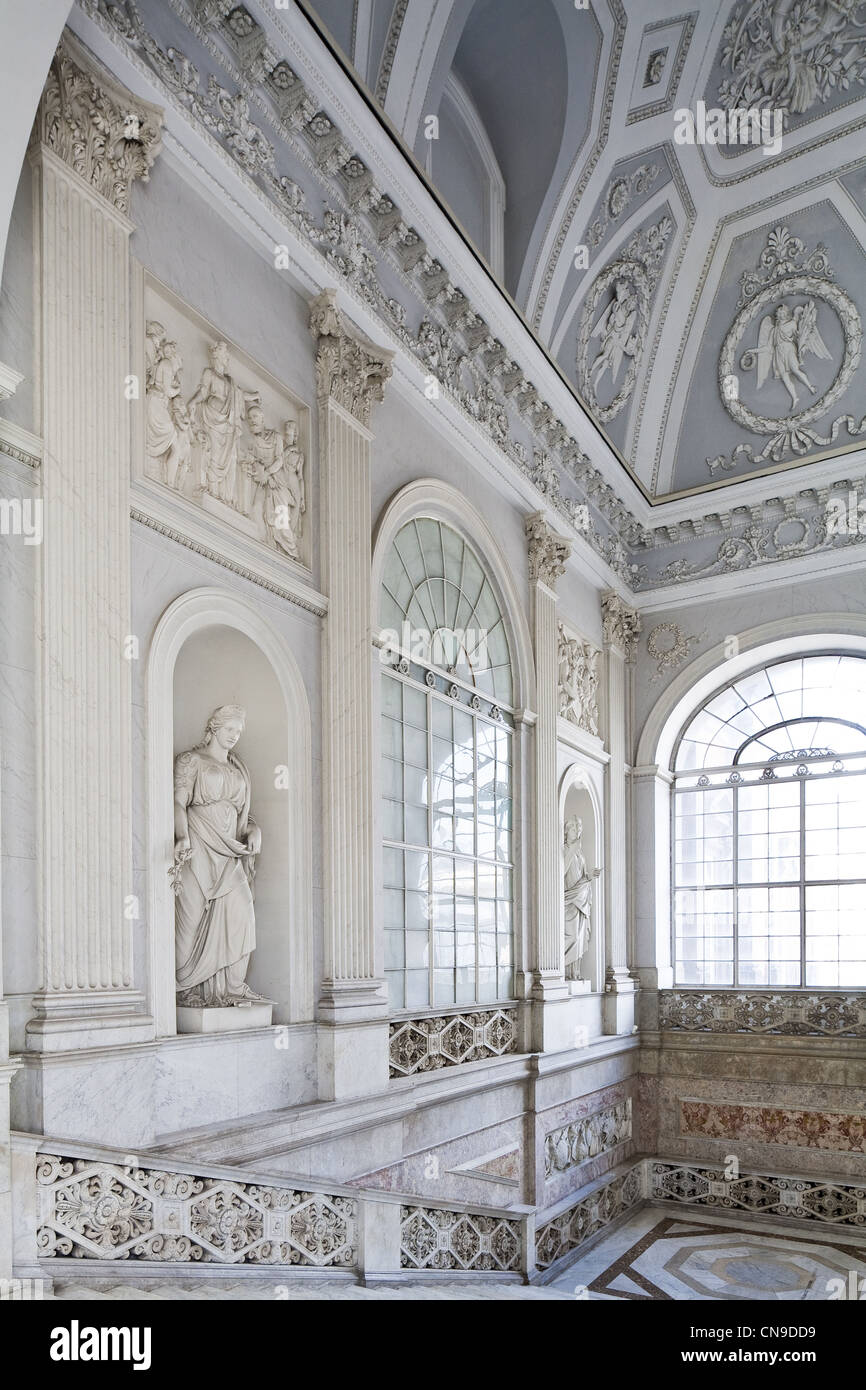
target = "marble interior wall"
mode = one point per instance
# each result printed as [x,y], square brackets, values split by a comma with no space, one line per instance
[784,1104]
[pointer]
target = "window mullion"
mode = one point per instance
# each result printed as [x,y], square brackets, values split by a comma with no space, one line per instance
[735,849]
[430,933]
[803,883]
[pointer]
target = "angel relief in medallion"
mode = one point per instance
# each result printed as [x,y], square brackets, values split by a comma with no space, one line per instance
[784,339]
[216,448]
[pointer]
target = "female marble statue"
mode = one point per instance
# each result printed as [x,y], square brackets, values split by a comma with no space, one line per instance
[216,842]
[578,898]
[217,409]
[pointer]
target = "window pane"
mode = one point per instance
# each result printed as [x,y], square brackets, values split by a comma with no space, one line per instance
[797,861]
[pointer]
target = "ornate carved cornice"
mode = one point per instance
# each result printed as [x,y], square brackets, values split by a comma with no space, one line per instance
[350,369]
[621,624]
[105,134]
[548,552]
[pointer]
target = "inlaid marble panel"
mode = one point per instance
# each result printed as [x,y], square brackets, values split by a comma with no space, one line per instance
[681,1258]
[813,1129]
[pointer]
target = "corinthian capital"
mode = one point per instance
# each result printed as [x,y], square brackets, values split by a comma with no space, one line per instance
[548,552]
[350,369]
[621,623]
[105,134]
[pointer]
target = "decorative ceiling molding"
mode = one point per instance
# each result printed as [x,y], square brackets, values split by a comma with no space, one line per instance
[362,230]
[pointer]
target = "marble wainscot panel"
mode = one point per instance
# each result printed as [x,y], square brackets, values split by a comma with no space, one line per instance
[582,1139]
[811,1128]
[220,442]
[482,1167]
[839,1132]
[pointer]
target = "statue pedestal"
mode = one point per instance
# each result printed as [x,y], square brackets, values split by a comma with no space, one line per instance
[252,1015]
[579,986]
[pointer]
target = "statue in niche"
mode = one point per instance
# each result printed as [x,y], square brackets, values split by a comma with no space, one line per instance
[275,464]
[577,882]
[217,410]
[615,329]
[215,848]
[167,424]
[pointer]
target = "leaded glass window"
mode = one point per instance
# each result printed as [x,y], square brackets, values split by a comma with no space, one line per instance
[770,830]
[446,737]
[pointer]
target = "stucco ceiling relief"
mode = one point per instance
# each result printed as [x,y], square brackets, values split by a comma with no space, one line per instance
[777,334]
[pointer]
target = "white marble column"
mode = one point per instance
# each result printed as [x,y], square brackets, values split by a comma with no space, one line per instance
[351,373]
[551,1027]
[91,140]
[621,628]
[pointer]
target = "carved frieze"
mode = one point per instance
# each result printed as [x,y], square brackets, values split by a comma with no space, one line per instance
[95,126]
[220,433]
[836,1015]
[579,664]
[587,1137]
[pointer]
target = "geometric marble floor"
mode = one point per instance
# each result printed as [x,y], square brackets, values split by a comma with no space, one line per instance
[656,1256]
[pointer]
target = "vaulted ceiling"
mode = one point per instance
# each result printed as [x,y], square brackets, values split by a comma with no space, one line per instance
[705,300]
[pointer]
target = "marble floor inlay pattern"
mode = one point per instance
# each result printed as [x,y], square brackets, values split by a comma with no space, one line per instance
[654,1256]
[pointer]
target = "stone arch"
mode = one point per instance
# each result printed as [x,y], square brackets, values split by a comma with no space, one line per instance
[188,617]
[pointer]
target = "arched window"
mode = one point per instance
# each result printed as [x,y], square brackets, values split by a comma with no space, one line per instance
[770,830]
[447,731]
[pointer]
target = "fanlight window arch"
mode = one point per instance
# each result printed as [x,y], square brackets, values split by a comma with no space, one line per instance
[447,730]
[770,829]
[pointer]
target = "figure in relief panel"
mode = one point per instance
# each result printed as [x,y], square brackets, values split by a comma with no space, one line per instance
[275,465]
[216,844]
[577,882]
[615,330]
[167,418]
[217,411]
[578,682]
[218,445]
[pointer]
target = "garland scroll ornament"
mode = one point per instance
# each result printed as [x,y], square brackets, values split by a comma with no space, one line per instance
[785,315]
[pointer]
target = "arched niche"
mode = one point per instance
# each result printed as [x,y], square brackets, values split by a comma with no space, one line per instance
[211,648]
[579,797]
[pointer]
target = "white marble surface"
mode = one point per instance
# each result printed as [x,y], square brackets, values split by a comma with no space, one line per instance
[711,1260]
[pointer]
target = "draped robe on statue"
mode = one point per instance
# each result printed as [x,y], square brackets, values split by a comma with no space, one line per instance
[578,910]
[214,916]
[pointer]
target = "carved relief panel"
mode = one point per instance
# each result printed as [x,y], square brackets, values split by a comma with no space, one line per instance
[220,435]
[579,673]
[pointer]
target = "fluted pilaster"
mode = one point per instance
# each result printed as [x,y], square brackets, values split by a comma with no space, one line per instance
[548,553]
[621,629]
[91,140]
[351,373]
